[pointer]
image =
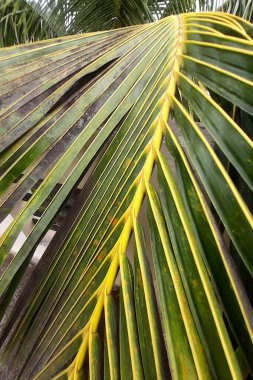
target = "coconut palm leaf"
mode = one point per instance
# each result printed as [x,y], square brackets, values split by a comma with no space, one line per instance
[138,281]
[24,21]
[85,16]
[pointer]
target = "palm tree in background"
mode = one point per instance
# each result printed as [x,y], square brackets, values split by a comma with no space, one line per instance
[132,145]
[24,21]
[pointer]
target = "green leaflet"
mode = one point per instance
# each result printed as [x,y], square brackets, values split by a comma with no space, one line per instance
[229,199]
[215,253]
[128,299]
[176,316]
[112,336]
[199,290]
[223,129]
[125,359]
[94,358]
[149,329]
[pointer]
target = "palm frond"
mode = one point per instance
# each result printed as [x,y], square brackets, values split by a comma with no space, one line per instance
[25,21]
[242,8]
[86,16]
[22,22]
[98,112]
